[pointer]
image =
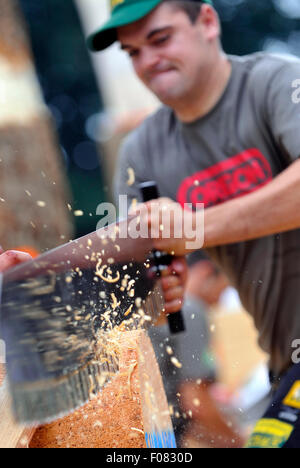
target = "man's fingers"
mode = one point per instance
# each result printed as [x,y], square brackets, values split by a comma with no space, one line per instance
[174,293]
[179,265]
[170,282]
[173,306]
[11,258]
[176,273]
[173,285]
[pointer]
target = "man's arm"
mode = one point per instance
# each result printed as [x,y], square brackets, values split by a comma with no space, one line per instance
[273,209]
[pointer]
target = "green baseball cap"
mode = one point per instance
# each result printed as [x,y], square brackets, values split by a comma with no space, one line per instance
[123,12]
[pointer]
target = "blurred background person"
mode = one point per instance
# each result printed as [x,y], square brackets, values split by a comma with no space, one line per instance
[195,412]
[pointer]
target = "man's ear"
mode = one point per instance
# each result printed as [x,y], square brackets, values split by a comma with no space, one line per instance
[208,19]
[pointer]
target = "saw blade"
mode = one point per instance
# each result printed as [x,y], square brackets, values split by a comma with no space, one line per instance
[60,313]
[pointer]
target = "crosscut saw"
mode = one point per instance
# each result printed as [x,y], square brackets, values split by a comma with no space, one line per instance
[59,313]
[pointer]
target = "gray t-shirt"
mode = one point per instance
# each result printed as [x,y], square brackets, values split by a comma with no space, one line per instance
[251,135]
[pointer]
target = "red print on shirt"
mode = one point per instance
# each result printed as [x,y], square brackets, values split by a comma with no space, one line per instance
[232,178]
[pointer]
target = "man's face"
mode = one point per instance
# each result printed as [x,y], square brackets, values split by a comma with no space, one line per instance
[169,54]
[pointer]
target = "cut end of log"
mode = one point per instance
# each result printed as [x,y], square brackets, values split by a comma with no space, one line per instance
[131,412]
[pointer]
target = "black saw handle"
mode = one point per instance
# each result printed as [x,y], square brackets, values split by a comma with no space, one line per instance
[149,192]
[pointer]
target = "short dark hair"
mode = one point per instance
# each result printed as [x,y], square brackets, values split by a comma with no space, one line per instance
[192,9]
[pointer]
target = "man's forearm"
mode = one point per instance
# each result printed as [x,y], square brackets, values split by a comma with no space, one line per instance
[273,209]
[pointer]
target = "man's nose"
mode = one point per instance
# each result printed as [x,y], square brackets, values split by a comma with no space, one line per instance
[148,60]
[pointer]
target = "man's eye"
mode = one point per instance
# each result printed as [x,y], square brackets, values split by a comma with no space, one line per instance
[133,53]
[161,40]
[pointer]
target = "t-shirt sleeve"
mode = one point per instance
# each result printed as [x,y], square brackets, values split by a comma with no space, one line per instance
[284,109]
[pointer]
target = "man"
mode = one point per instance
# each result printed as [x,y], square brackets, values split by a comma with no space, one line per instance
[226,136]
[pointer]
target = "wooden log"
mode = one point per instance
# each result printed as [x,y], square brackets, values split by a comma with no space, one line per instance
[131,412]
[2,373]
[12,435]
[33,193]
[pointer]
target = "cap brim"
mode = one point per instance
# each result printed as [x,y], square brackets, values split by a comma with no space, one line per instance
[107,34]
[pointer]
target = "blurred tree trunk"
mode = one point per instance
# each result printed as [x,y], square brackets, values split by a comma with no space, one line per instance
[33,189]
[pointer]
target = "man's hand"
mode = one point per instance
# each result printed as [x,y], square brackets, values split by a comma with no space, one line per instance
[11,258]
[173,283]
[172,229]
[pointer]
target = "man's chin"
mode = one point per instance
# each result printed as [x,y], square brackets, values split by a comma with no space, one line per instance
[167,96]
[165,88]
